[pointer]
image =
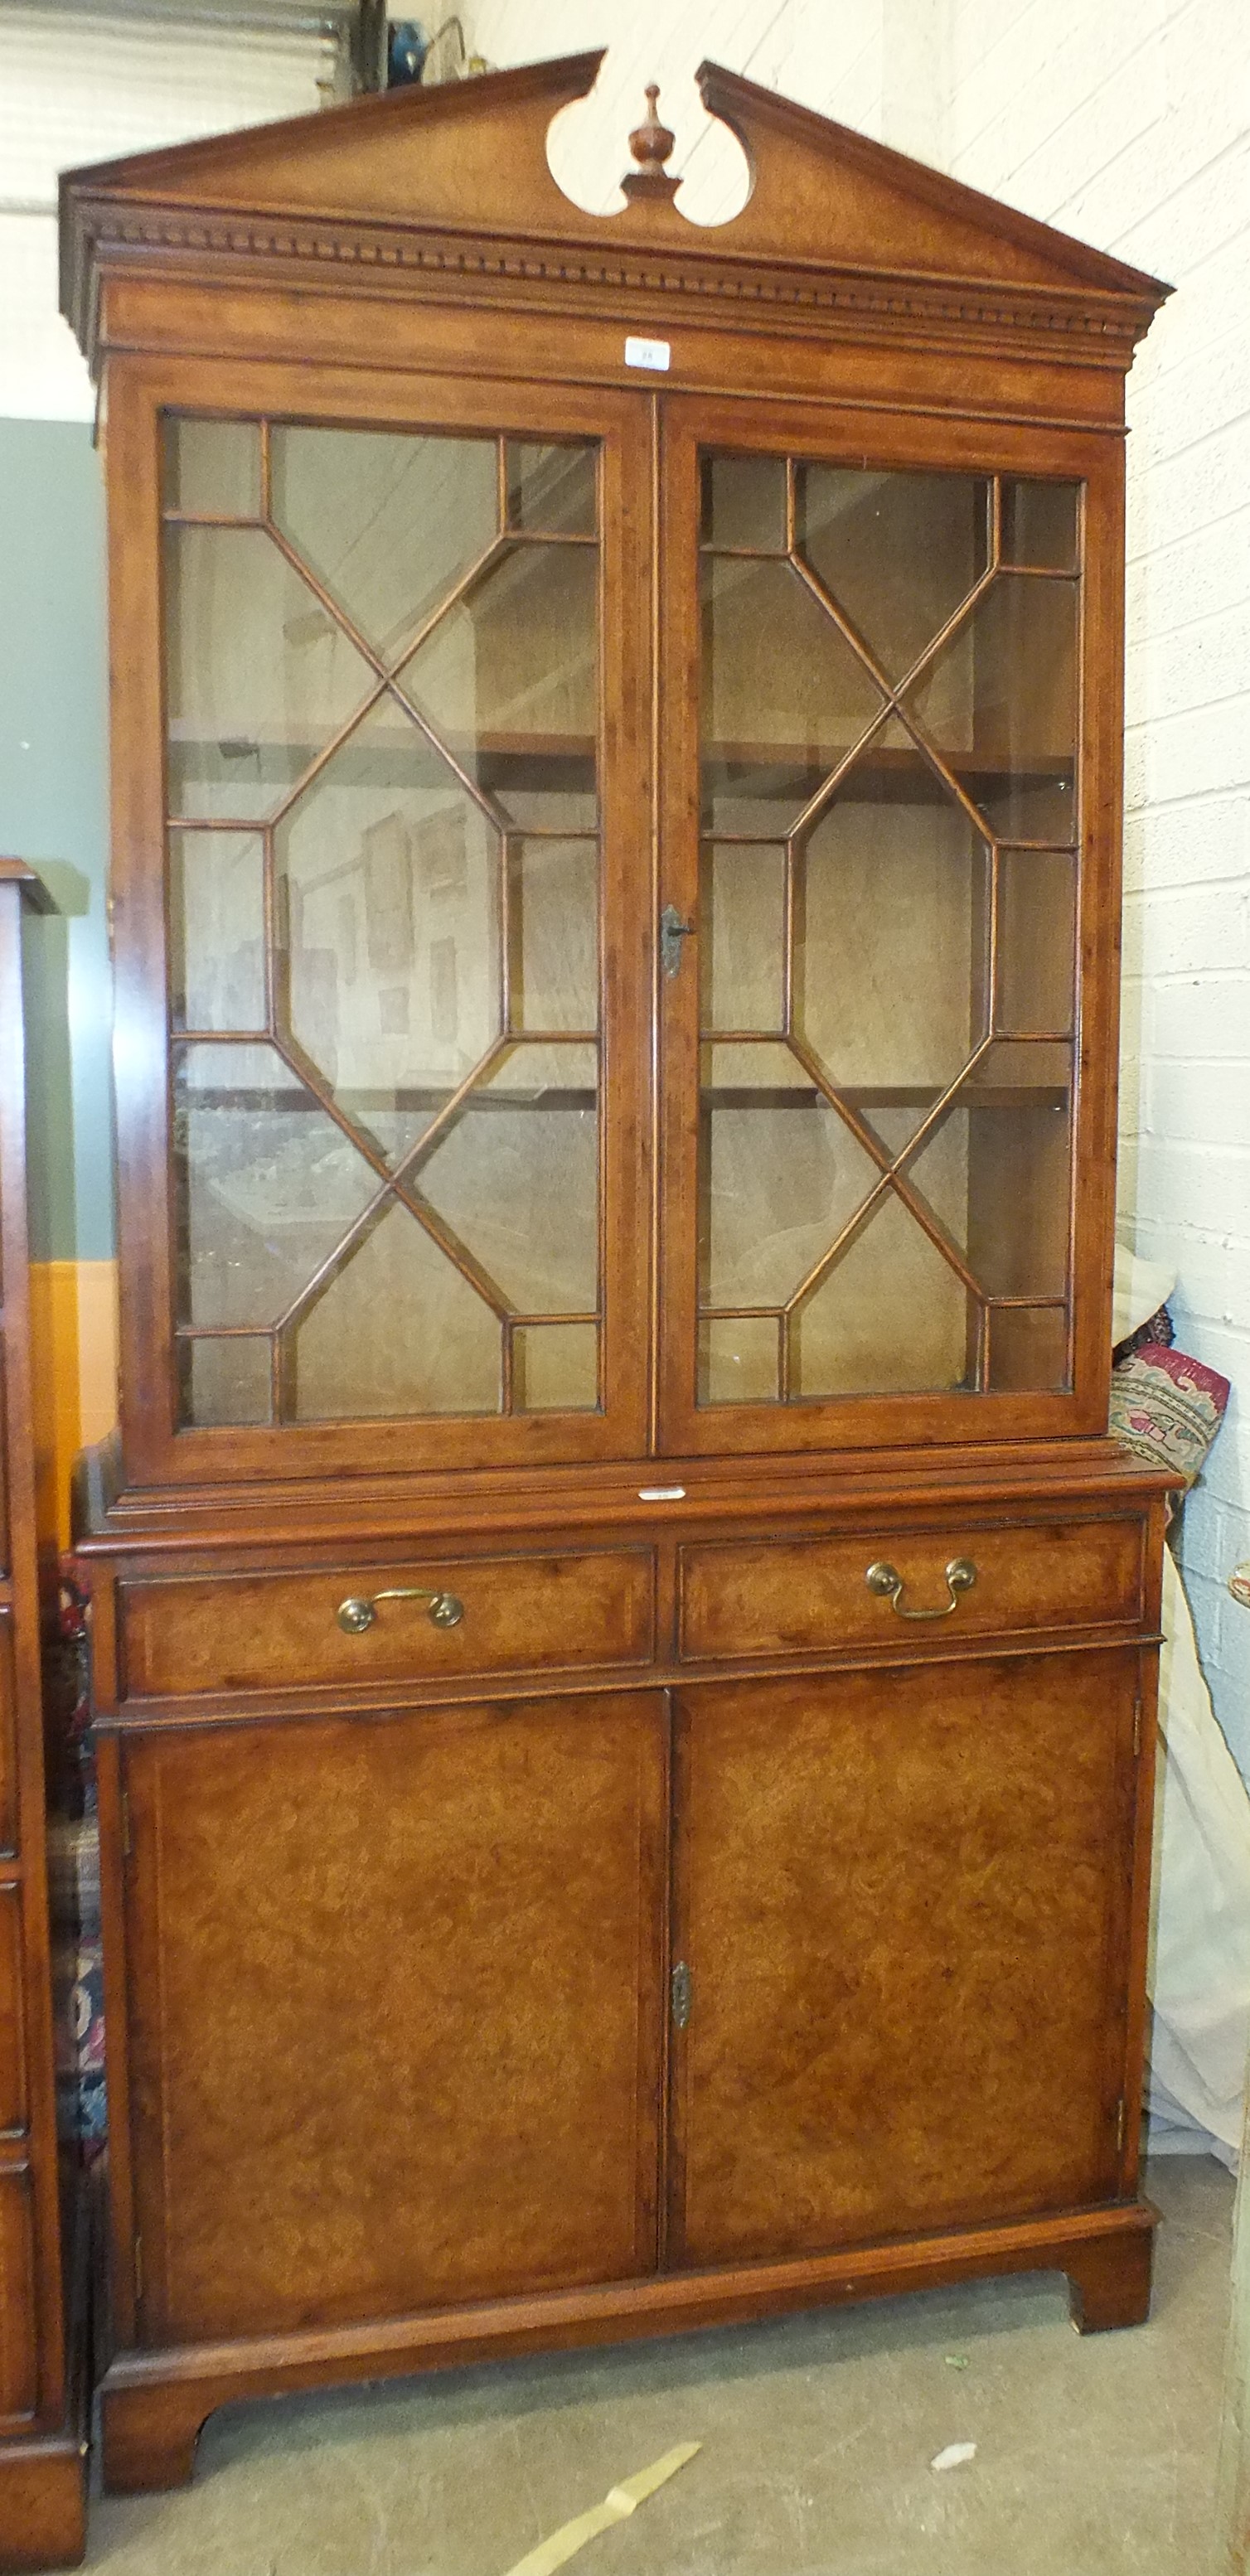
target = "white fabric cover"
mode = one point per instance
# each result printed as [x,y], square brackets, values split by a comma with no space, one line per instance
[1198,1977]
[1141,1288]
[1199,1973]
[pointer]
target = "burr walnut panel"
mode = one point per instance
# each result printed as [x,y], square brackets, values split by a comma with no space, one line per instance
[19,2386]
[242,1632]
[403,2045]
[809,1595]
[904,1898]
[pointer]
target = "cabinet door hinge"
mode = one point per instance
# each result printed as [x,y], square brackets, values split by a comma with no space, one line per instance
[1136,1727]
[138,2270]
[1121,2122]
[127,1845]
[680,1988]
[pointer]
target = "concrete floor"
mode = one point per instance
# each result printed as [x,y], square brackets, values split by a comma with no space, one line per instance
[1093,2457]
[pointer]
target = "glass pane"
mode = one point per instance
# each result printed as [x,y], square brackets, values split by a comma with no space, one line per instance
[258,678]
[938,1174]
[553,921]
[266,1184]
[551,488]
[891,1318]
[1019,1163]
[739,1360]
[1028,1347]
[891,938]
[744,502]
[556,1074]
[388,908]
[387,521]
[913,936]
[1000,705]
[406,944]
[996,1177]
[742,921]
[212,465]
[216,930]
[516,1178]
[555,1368]
[1036,940]
[225,1381]
[1005,1070]
[551,789]
[509,674]
[397,1331]
[784,695]
[759,1075]
[1041,524]
[898,552]
[781,1175]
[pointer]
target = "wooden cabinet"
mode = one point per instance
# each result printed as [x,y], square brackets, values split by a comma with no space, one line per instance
[623,1650]
[41,2213]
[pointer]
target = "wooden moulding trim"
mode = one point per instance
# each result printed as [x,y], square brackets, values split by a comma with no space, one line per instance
[663,2303]
[212,1708]
[1100,330]
[158,1519]
[43,2501]
[43,2495]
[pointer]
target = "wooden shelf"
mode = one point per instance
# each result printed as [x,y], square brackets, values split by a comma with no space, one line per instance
[373,1104]
[999,1095]
[885,776]
[565,763]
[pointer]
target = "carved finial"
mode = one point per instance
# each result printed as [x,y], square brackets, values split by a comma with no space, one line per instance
[651,144]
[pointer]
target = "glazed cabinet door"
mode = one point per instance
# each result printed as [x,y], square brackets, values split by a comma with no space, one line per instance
[393,2011]
[903,1907]
[887,1006]
[395,783]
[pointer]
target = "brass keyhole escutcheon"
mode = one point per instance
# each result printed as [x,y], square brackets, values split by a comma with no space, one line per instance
[886,1581]
[673,930]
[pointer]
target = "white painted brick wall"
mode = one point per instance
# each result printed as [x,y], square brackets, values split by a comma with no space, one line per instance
[76,88]
[1126,122]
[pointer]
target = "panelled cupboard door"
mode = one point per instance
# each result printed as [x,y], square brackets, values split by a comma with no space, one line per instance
[394,2010]
[19,2366]
[382,899]
[903,1904]
[889,871]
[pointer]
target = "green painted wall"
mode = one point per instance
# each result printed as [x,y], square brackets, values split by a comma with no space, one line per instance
[54,812]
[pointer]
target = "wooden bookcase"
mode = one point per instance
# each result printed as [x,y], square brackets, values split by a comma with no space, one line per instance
[42,2471]
[623,1651]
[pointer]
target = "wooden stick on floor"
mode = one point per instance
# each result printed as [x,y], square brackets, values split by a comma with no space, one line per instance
[619,2502]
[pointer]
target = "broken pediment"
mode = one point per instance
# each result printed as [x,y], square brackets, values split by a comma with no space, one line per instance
[469,158]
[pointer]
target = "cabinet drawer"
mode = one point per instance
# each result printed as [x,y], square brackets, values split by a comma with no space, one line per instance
[799,1596]
[470,1615]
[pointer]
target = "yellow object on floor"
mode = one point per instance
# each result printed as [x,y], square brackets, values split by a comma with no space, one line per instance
[617,2505]
[73,1319]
